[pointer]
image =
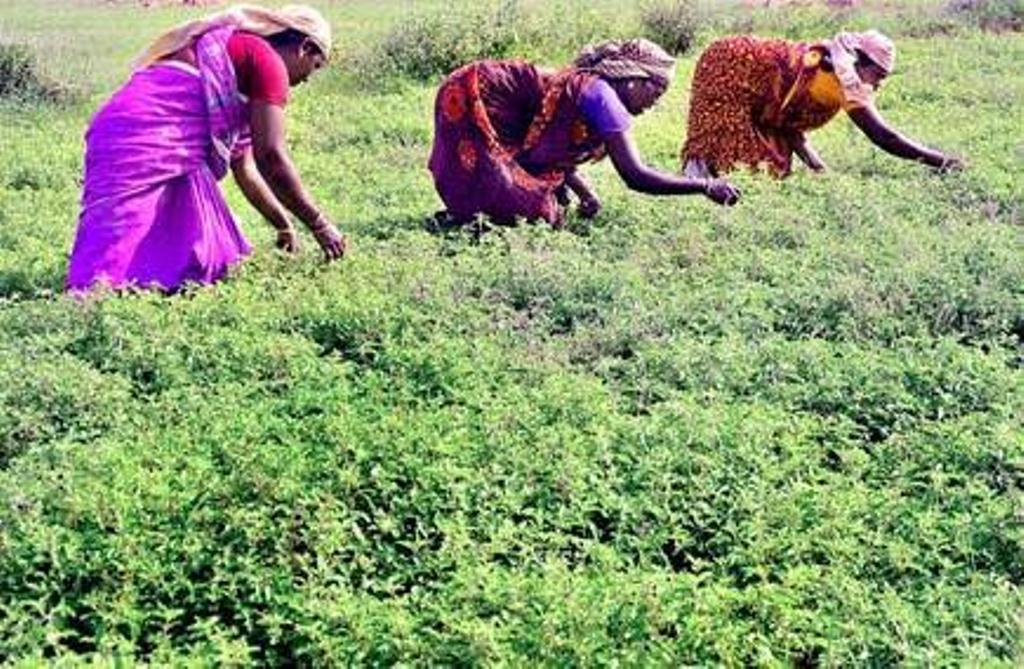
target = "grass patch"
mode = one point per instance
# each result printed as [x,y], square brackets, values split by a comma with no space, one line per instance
[432,43]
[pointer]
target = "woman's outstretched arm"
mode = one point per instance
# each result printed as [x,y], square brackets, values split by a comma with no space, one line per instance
[640,177]
[892,141]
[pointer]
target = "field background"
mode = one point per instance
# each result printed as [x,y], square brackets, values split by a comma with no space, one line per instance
[787,433]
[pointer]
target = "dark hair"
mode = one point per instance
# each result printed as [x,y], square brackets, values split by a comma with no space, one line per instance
[291,38]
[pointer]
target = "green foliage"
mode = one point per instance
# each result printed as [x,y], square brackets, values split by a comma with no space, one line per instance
[21,79]
[671,23]
[990,14]
[432,43]
[788,433]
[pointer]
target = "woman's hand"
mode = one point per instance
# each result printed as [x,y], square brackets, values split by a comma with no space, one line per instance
[287,240]
[327,236]
[951,164]
[562,195]
[722,192]
[589,206]
[888,139]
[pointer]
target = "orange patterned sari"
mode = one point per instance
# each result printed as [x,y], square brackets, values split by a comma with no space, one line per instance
[752,97]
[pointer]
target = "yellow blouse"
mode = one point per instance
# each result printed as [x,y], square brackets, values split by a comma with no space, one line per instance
[826,89]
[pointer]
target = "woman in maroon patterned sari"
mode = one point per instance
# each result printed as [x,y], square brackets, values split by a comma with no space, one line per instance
[508,136]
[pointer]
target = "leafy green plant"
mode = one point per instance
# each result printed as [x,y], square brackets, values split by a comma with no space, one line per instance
[432,43]
[990,14]
[673,24]
[21,79]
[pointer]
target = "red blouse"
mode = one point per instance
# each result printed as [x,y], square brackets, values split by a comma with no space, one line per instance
[262,75]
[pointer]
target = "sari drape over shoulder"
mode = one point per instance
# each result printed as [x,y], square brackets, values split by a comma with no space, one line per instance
[752,97]
[505,135]
[152,213]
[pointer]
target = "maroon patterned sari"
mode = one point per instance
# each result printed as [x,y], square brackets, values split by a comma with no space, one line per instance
[505,135]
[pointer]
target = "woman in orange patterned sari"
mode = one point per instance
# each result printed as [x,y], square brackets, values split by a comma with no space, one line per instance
[754,99]
[509,136]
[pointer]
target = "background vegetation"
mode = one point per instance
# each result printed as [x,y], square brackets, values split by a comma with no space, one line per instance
[785,433]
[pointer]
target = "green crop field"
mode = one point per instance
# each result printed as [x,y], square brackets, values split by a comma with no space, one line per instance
[790,433]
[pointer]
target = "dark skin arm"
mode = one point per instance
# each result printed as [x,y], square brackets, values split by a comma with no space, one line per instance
[259,195]
[590,204]
[644,179]
[891,141]
[806,152]
[278,171]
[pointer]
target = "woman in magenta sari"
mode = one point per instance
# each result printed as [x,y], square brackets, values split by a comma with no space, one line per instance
[205,98]
[509,136]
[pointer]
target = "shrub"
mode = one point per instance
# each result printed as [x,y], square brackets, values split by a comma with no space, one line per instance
[429,44]
[671,23]
[990,14]
[21,78]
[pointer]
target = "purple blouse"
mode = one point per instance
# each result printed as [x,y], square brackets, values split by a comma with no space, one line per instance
[603,110]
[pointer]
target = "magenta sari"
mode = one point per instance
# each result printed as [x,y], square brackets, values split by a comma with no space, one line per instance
[152,212]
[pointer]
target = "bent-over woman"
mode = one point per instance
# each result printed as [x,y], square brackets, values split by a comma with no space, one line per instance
[753,100]
[207,97]
[509,136]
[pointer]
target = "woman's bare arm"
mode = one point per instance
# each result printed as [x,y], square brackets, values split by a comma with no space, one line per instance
[892,141]
[590,204]
[803,149]
[259,195]
[639,177]
[271,155]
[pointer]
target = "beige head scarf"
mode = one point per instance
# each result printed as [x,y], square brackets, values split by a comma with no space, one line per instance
[630,59]
[844,49]
[250,18]
[872,44]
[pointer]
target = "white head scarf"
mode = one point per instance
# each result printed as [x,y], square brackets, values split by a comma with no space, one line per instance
[872,44]
[250,18]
